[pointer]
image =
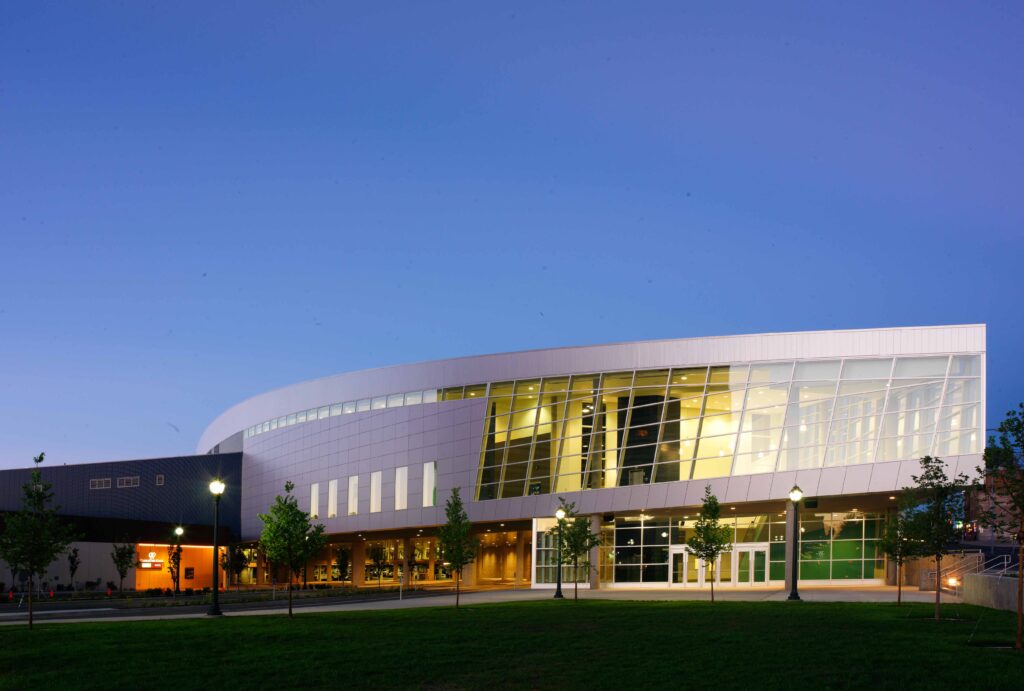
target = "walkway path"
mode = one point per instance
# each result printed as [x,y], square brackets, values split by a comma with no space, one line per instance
[810,594]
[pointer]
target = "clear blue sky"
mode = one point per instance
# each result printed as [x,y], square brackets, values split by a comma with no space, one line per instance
[203,201]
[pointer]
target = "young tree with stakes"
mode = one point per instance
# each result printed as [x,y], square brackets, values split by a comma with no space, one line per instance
[174,566]
[33,536]
[288,538]
[458,546]
[935,515]
[897,545]
[379,558]
[74,562]
[1004,489]
[341,559]
[709,539]
[234,561]
[577,541]
[123,557]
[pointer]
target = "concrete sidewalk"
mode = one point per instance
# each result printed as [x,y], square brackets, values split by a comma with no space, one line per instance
[809,594]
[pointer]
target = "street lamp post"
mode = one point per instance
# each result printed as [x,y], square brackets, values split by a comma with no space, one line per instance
[178,532]
[217,489]
[795,495]
[560,515]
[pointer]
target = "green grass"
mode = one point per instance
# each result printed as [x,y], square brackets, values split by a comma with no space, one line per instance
[563,645]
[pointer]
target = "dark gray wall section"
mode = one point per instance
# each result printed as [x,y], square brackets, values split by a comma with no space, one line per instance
[183,498]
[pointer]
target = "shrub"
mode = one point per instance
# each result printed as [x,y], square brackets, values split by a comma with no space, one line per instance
[112,586]
[189,591]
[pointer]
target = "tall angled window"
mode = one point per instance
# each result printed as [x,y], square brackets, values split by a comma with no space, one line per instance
[353,495]
[375,491]
[430,484]
[332,499]
[401,488]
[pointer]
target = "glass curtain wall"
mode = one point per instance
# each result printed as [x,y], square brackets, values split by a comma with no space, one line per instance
[615,429]
[836,546]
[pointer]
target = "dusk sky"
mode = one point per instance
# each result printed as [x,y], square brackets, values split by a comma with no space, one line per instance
[203,201]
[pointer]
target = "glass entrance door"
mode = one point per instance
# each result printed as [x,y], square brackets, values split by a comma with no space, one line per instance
[689,571]
[751,565]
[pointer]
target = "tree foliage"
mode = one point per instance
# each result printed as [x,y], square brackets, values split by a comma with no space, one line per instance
[34,535]
[74,562]
[289,538]
[710,539]
[342,560]
[1004,490]
[234,560]
[378,556]
[897,544]
[124,558]
[174,566]
[458,546]
[935,513]
[576,541]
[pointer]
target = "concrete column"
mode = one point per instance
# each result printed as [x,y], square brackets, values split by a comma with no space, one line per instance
[521,537]
[791,525]
[358,563]
[595,556]
[406,559]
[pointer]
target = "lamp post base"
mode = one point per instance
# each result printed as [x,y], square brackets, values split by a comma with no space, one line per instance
[214,611]
[793,596]
[558,595]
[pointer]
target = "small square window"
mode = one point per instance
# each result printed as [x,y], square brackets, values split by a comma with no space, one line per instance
[159,480]
[190,573]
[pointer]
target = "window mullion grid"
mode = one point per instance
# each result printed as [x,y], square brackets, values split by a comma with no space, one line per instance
[533,439]
[585,463]
[621,453]
[700,422]
[556,459]
[661,425]
[832,413]
[785,414]
[930,451]
[885,409]
[739,426]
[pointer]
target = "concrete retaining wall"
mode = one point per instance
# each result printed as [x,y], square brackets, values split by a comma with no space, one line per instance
[998,592]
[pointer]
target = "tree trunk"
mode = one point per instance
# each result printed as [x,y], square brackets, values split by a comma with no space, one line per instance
[576,579]
[31,585]
[938,587]
[457,579]
[289,597]
[712,585]
[899,583]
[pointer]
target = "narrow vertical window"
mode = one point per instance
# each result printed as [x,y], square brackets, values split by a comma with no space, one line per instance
[401,488]
[353,495]
[314,500]
[430,483]
[375,481]
[332,499]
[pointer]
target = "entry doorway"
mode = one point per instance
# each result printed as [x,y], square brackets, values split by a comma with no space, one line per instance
[744,565]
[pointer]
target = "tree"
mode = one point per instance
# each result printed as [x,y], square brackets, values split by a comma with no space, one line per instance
[935,510]
[710,539]
[341,559]
[73,563]
[289,538]
[378,557]
[123,557]
[577,541]
[34,535]
[458,546]
[233,561]
[1004,490]
[897,545]
[174,566]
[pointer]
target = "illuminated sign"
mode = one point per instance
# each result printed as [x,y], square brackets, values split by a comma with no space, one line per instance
[151,562]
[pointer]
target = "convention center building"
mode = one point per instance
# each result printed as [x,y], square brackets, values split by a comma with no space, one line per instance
[631,433]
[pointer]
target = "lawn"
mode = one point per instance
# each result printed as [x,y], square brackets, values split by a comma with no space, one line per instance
[564,645]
